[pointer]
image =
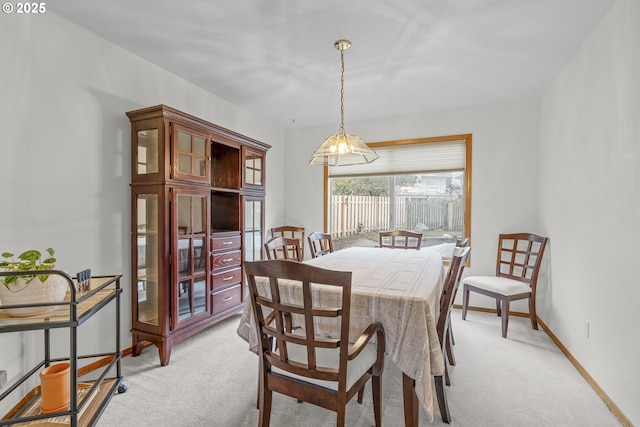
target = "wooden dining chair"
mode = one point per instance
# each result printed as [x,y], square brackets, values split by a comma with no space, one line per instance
[320,244]
[451,284]
[283,248]
[400,239]
[460,242]
[517,268]
[303,363]
[291,232]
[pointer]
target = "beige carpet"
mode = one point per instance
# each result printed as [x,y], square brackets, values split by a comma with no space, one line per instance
[212,380]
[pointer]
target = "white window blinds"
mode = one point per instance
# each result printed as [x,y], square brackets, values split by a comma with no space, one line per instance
[399,159]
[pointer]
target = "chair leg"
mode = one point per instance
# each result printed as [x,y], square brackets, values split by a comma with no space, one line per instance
[361,394]
[498,308]
[449,349]
[447,353]
[376,388]
[265,407]
[340,416]
[260,379]
[453,341]
[447,381]
[465,301]
[442,399]
[532,313]
[505,316]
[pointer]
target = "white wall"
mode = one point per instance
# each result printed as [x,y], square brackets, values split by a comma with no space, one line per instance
[504,171]
[65,154]
[590,204]
[64,145]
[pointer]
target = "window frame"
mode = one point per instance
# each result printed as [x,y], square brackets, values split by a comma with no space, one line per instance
[436,139]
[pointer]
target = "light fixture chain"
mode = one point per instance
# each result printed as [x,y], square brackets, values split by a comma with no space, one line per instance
[342,149]
[341,131]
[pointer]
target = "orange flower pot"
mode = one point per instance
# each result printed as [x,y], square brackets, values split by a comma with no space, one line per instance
[55,388]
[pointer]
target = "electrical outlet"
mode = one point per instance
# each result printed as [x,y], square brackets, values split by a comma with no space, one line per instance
[586,329]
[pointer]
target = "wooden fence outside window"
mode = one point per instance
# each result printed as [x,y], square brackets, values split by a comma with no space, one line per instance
[351,215]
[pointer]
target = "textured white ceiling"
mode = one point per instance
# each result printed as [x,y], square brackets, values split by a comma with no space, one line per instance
[276,57]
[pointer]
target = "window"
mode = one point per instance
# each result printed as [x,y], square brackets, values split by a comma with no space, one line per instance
[420,185]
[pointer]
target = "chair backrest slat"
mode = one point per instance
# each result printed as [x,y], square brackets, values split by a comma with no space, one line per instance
[292,232]
[520,257]
[320,244]
[270,304]
[400,239]
[283,248]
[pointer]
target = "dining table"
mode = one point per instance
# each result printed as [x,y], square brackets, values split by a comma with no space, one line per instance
[401,289]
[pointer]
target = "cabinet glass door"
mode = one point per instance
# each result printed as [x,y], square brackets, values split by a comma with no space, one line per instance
[146,261]
[253,168]
[147,152]
[253,228]
[147,160]
[190,256]
[191,152]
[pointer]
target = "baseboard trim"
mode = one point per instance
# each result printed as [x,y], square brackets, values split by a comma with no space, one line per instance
[101,362]
[106,360]
[596,387]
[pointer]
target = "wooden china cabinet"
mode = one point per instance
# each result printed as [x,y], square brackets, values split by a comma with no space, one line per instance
[197,213]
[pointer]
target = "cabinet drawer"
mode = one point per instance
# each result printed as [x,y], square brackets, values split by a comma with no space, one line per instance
[226,259]
[226,278]
[226,300]
[224,243]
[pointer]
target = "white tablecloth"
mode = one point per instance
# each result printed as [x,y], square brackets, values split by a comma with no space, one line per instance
[400,288]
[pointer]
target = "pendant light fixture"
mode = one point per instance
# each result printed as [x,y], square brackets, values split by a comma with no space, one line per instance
[343,149]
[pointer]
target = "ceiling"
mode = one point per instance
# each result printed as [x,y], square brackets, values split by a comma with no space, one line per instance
[276,58]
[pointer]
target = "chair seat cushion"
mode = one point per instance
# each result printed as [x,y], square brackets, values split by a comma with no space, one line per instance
[330,358]
[499,285]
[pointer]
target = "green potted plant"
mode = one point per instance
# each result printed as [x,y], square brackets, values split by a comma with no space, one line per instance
[30,288]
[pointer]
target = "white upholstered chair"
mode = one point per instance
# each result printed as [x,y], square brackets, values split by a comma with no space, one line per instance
[517,268]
